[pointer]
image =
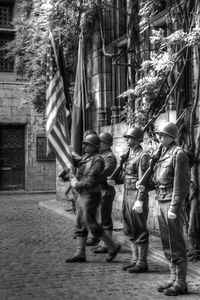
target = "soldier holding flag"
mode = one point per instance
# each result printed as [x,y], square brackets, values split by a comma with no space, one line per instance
[87,184]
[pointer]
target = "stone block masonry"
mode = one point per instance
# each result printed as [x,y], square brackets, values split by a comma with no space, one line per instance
[16,110]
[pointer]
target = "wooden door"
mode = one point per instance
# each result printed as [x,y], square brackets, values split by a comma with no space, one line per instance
[12,157]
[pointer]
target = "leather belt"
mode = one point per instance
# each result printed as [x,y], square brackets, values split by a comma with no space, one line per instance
[130,183]
[163,190]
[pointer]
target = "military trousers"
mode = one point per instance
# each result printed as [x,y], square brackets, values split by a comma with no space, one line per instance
[172,234]
[107,199]
[194,224]
[86,216]
[135,224]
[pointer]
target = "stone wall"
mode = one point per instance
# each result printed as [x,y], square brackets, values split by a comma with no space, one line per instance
[16,110]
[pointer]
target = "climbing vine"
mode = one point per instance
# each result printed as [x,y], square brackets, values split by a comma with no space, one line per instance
[171,75]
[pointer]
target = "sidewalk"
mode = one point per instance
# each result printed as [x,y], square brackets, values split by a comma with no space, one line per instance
[155,247]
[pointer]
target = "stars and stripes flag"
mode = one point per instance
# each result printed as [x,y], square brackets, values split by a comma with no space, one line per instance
[56,112]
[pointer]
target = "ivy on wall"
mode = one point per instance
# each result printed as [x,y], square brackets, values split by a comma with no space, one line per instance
[165,73]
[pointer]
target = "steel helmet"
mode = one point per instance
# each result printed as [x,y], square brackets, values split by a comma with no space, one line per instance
[168,128]
[106,138]
[136,133]
[89,131]
[92,139]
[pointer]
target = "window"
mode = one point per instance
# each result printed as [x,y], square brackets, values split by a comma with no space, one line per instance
[6,35]
[42,155]
[6,16]
[6,64]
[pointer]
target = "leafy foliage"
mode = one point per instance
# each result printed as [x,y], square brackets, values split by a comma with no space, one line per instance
[162,74]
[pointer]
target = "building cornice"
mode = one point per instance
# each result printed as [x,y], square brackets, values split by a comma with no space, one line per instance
[13,83]
[7,30]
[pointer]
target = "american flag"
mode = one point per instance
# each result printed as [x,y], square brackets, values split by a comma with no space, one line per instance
[56,112]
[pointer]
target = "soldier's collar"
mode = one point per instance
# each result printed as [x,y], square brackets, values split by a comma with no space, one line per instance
[168,151]
[136,149]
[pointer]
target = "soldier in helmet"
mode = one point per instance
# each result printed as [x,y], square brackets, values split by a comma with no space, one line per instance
[87,184]
[134,211]
[171,179]
[108,192]
[91,240]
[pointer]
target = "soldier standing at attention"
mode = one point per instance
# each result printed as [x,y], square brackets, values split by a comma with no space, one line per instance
[108,192]
[87,184]
[134,210]
[171,178]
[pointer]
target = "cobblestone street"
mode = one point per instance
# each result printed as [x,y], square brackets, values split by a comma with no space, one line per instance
[34,245]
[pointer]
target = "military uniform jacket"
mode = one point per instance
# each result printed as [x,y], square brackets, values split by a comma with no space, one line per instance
[88,174]
[110,163]
[135,167]
[171,176]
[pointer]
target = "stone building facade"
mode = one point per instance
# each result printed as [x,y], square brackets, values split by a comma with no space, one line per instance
[24,164]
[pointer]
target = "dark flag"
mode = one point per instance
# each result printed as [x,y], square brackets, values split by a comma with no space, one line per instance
[63,73]
[79,103]
[56,112]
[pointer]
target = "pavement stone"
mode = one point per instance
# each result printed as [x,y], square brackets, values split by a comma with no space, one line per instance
[37,236]
[155,247]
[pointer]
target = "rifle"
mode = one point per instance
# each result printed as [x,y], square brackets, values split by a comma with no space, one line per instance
[147,175]
[123,159]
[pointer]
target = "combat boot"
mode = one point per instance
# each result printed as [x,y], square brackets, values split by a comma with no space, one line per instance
[134,260]
[100,249]
[141,265]
[180,285]
[92,241]
[171,281]
[113,248]
[102,246]
[80,254]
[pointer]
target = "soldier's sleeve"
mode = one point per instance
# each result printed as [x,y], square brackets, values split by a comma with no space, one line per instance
[181,182]
[144,164]
[110,164]
[92,177]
